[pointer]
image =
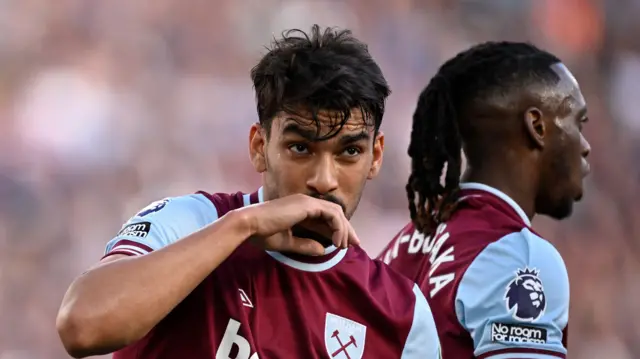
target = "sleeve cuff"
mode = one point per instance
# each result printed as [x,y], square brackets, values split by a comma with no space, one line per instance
[129,248]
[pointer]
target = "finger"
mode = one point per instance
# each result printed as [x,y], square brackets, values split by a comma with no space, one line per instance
[348,231]
[352,237]
[306,246]
[349,236]
[335,220]
[344,239]
[337,238]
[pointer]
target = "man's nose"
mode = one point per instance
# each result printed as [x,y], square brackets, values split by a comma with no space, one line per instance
[324,177]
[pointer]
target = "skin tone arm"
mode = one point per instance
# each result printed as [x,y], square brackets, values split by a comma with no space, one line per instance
[96,313]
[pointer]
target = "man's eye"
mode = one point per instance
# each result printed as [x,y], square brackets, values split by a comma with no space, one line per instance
[352,151]
[298,148]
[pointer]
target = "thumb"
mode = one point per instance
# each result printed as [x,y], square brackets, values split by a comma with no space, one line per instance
[306,246]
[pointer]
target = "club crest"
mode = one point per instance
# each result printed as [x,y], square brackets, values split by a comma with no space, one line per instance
[525,297]
[344,338]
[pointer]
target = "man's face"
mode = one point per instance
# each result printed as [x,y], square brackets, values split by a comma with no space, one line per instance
[292,159]
[564,162]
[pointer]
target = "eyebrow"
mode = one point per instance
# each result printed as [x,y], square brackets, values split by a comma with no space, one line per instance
[295,129]
[312,135]
[353,138]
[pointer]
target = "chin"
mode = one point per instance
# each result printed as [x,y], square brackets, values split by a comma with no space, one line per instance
[560,211]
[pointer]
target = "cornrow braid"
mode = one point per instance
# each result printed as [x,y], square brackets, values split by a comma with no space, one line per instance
[436,137]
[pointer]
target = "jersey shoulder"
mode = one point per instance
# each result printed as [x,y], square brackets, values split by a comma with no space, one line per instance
[514,297]
[167,220]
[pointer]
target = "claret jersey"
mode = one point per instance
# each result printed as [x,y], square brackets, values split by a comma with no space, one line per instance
[261,304]
[497,289]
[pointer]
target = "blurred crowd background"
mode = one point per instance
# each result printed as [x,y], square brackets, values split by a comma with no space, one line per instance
[106,106]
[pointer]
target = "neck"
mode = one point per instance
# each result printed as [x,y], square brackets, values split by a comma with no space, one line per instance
[500,177]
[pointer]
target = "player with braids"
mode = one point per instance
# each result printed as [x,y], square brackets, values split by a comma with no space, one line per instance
[497,289]
[474,75]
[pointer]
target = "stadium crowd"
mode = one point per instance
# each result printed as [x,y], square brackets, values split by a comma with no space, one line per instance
[107,106]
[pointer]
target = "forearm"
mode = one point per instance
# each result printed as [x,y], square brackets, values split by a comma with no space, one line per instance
[95,316]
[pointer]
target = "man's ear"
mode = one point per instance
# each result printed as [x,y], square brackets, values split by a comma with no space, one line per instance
[257,147]
[378,150]
[536,128]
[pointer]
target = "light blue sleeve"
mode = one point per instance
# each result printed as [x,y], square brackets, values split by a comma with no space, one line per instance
[422,341]
[514,299]
[162,223]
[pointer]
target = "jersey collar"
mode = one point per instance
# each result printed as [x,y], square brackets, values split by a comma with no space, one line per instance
[496,192]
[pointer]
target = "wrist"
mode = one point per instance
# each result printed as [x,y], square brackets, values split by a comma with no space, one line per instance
[242,221]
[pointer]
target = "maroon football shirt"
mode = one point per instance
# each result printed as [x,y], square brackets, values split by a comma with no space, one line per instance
[497,289]
[260,304]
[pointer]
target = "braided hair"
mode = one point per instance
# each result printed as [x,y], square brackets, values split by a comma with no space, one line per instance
[441,120]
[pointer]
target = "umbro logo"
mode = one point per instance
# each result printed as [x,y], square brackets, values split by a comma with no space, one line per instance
[245,299]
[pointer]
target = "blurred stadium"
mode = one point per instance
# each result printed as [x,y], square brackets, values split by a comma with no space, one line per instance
[108,105]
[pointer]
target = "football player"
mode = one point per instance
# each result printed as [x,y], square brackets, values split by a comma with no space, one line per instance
[497,288]
[277,273]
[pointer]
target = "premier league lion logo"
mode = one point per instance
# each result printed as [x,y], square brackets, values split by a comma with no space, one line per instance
[525,296]
[153,207]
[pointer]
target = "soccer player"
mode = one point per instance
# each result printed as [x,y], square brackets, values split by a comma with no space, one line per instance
[498,290]
[276,273]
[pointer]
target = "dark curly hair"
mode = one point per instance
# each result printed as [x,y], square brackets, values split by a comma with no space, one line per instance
[327,69]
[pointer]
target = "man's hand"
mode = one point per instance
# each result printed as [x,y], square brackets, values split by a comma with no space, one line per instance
[271,224]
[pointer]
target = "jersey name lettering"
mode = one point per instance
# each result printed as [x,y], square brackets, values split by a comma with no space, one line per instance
[431,246]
